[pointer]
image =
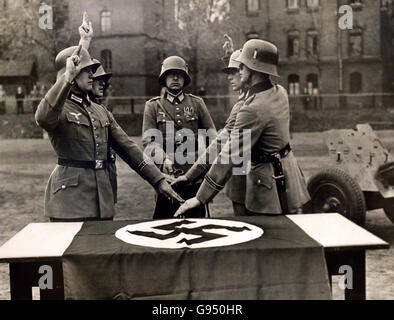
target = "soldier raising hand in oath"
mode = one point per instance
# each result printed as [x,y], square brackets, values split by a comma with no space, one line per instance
[85,31]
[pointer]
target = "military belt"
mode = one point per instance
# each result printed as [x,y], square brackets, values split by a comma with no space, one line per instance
[258,157]
[279,175]
[96,165]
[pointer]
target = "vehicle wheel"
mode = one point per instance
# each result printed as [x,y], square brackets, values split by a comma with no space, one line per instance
[389,209]
[333,190]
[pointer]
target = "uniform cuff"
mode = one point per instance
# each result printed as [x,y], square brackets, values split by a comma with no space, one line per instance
[196,172]
[151,173]
[208,190]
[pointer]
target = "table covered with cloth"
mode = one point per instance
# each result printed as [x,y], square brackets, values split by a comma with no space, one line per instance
[283,263]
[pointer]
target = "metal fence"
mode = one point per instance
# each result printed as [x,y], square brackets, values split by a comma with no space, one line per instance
[221,104]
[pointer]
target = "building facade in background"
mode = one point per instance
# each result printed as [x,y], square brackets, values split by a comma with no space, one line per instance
[316,56]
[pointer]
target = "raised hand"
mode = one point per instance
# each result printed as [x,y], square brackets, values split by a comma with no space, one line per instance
[228,46]
[165,189]
[85,29]
[188,205]
[73,64]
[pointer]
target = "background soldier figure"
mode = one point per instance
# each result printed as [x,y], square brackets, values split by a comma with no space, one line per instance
[178,110]
[275,183]
[236,186]
[20,97]
[2,100]
[80,132]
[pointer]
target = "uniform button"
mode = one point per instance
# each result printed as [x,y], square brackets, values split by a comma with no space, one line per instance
[97,144]
[97,136]
[89,112]
[259,181]
[95,128]
[93,119]
[177,109]
[179,121]
[192,118]
[63,186]
[178,115]
[78,122]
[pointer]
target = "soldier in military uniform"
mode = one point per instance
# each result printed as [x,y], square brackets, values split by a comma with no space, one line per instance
[81,132]
[236,186]
[274,183]
[99,86]
[176,116]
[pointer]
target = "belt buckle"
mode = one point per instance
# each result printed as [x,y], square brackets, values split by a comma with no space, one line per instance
[99,164]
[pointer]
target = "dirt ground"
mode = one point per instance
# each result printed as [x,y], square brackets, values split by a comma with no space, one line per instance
[25,166]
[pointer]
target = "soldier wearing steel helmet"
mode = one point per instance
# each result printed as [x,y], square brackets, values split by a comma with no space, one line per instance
[80,132]
[274,181]
[177,116]
[235,188]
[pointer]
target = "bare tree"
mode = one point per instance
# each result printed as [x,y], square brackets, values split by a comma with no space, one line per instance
[195,31]
[22,37]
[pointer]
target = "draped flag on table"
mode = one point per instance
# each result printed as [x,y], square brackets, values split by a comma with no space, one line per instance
[259,257]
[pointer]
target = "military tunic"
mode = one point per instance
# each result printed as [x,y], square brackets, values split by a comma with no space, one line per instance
[170,115]
[266,114]
[235,187]
[81,130]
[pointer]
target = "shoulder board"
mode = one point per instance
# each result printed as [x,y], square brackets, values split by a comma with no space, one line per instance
[154,99]
[193,96]
[249,100]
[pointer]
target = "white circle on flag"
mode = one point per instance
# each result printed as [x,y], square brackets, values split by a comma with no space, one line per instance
[188,233]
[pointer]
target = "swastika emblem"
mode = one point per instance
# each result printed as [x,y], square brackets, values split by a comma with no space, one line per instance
[188,233]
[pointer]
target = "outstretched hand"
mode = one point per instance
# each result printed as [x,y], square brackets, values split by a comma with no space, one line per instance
[180,180]
[188,205]
[165,189]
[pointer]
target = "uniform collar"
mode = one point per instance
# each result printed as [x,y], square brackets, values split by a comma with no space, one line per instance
[259,87]
[242,95]
[174,98]
[79,97]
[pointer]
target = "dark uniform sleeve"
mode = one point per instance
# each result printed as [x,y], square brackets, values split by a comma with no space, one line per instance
[202,165]
[247,119]
[152,146]
[49,109]
[129,151]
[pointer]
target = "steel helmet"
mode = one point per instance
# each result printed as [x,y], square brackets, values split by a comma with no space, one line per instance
[174,63]
[85,60]
[261,56]
[100,72]
[232,64]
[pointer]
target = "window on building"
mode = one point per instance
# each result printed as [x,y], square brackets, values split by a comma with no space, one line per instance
[355,82]
[252,7]
[312,43]
[106,59]
[105,20]
[312,3]
[293,44]
[312,83]
[356,42]
[293,4]
[384,4]
[294,84]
